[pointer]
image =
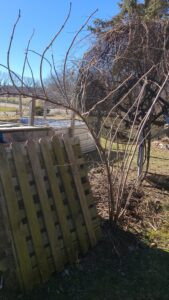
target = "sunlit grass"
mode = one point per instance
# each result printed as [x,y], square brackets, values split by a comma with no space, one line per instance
[159,158]
[7,109]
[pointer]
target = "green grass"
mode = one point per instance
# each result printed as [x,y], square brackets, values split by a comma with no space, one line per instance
[7,109]
[14,100]
[161,234]
[159,158]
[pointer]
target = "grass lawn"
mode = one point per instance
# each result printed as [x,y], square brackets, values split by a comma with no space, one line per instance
[7,109]
[15,100]
[125,264]
[159,157]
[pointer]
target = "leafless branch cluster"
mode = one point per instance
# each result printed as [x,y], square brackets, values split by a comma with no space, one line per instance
[119,91]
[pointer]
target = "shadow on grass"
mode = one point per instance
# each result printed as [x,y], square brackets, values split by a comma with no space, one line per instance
[119,267]
[159,181]
[93,157]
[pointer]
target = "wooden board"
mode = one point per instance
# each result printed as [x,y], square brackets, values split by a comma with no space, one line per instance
[73,203]
[30,211]
[61,213]
[80,192]
[48,207]
[19,239]
[44,201]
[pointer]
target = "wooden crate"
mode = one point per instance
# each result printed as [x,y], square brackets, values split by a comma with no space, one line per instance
[46,205]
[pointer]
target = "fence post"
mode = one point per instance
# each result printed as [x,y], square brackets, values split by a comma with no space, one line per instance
[32,112]
[140,154]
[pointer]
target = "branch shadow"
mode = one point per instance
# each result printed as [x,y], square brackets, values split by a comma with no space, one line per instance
[94,159]
[159,181]
[120,267]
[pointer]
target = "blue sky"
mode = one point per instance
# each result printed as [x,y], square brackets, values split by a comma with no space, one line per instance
[46,17]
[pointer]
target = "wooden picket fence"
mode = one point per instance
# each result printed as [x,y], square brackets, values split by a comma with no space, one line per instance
[48,217]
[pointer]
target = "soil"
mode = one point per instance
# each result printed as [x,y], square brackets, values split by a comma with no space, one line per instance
[148,207]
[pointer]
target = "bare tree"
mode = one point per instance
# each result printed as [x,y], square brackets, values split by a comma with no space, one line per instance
[120,84]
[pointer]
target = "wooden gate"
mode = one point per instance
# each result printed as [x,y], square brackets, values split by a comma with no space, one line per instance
[46,203]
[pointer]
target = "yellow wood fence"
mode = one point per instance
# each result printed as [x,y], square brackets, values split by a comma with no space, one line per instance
[49,217]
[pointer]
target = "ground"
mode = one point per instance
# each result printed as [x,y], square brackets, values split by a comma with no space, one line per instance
[132,261]
[9,109]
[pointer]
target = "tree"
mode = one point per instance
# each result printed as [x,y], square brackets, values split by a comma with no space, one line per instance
[131,43]
[147,9]
[55,83]
[130,58]
[4,79]
[131,9]
[156,8]
[123,75]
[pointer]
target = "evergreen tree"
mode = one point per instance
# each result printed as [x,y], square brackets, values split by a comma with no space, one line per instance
[156,8]
[131,43]
[129,9]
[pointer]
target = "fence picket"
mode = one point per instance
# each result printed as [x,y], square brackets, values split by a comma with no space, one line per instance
[30,211]
[73,203]
[61,213]
[14,216]
[50,226]
[80,191]
[43,201]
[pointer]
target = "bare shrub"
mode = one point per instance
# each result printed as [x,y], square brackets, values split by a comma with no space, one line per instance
[118,93]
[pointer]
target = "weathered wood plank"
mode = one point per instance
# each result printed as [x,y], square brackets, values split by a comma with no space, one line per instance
[73,204]
[80,191]
[89,196]
[59,205]
[22,254]
[30,211]
[47,213]
[53,199]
